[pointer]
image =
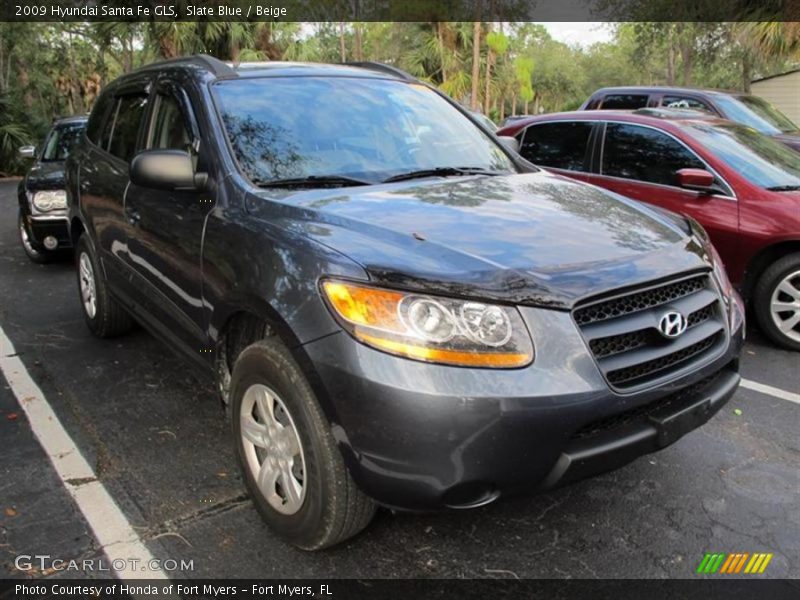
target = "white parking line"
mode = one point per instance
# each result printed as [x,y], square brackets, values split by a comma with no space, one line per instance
[112,530]
[771,391]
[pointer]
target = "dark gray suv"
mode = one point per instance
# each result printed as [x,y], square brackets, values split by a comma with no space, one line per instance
[397,309]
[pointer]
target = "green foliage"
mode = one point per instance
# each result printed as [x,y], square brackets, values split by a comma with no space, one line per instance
[13,134]
[498,42]
[54,69]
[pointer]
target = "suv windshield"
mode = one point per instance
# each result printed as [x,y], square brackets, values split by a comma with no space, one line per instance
[756,157]
[365,129]
[755,112]
[60,142]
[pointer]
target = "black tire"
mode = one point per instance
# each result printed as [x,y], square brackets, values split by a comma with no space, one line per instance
[32,250]
[762,300]
[110,318]
[333,508]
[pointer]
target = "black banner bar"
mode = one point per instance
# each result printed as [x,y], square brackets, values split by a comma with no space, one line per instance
[732,588]
[400,10]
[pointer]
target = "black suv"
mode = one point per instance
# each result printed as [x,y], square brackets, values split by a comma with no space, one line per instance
[42,224]
[396,307]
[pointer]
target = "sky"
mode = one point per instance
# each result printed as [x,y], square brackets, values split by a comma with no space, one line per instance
[581,33]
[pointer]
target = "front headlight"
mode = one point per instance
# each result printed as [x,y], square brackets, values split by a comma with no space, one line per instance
[50,200]
[431,328]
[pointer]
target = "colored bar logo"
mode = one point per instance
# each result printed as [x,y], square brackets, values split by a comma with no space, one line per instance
[737,562]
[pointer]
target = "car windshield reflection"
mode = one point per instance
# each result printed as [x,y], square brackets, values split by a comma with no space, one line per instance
[296,128]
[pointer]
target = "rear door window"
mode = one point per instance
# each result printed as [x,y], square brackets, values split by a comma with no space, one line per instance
[125,132]
[624,101]
[644,154]
[557,145]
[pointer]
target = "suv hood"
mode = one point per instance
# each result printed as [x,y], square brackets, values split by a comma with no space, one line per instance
[535,239]
[46,176]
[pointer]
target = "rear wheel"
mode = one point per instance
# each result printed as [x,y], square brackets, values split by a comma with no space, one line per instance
[32,250]
[104,316]
[776,301]
[291,465]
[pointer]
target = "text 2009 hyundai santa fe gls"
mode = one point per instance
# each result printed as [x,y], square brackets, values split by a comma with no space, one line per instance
[398,310]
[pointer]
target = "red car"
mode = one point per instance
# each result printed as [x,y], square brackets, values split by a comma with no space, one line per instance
[741,185]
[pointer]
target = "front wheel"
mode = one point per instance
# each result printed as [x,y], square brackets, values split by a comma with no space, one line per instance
[32,251]
[776,301]
[104,316]
[291,465]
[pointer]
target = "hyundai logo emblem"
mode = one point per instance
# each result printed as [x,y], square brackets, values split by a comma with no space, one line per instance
[672,324]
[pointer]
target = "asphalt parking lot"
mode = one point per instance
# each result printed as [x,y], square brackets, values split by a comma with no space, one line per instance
[157,441]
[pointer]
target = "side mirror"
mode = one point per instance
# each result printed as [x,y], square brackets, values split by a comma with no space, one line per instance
[27,151]
[165,170]
[696,179]
[509,142]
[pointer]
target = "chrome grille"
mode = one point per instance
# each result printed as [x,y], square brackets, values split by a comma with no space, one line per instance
[622,331]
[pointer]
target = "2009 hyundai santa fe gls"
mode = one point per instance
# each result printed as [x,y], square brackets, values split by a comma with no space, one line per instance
[398,309]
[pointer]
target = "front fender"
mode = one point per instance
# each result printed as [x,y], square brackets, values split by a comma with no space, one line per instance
[249,265]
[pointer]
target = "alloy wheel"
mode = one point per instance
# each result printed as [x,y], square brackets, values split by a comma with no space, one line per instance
[88,293]
[272,449]
[785,306]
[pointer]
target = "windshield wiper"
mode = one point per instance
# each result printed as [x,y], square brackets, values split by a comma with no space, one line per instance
[442,172]
[312,181]
[784,188]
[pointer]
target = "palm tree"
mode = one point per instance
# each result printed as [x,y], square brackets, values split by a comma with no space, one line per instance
[13,134]
[476,59]
[770,39]
[342,46]
[498,46]
[172,39]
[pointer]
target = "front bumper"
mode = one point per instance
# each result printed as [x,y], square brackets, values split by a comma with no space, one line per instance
[419,436]
[40,227]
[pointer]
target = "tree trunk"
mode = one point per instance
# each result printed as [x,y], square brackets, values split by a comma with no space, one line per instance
[747,71]
[440,37]
[514,103]
[23,80]
[359,50]
[476,59]
[342,48]
[687,55]
[2,65]
[128,52]
[102,66]
[671,64]
[234,51]
[74,81]
[489,61]
[166,46]
[9,63]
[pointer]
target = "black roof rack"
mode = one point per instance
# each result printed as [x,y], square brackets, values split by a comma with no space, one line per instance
[381,68]
[216,66]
